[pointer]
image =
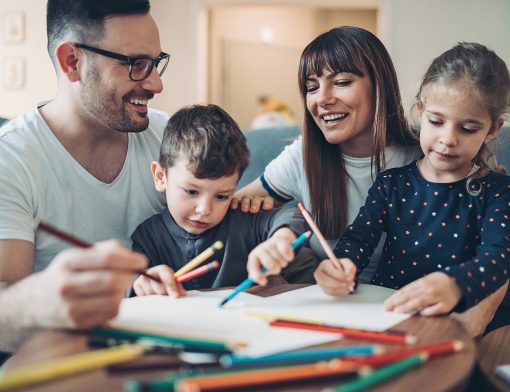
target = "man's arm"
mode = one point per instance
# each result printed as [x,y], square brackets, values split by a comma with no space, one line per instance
[81,288]
[16,259]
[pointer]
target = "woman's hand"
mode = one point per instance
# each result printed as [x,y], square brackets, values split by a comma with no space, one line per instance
[432,295]
[252,204]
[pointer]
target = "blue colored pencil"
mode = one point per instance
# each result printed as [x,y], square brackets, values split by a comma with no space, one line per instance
[249,282]
[298,357]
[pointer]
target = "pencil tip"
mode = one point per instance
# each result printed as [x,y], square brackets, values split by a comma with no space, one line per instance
[222,303]
[218,245]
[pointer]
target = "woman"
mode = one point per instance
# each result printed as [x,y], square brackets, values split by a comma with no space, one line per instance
[354,127]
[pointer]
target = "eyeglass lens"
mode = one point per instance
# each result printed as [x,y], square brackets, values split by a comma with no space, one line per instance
[141,68]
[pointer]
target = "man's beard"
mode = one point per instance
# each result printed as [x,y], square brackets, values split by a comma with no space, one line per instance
[102,105]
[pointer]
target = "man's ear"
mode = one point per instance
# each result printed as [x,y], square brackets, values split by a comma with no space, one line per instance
[159,175]
[67,57]
[496,127]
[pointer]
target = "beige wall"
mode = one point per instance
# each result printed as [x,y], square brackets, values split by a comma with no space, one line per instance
[40,79]
[414,30]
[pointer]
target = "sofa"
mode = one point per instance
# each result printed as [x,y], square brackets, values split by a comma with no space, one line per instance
[266,143]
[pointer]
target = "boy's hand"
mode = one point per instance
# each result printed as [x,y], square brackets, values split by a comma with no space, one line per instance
[335,281]
[274,254]
[252,204]
[168,286]
[434,294]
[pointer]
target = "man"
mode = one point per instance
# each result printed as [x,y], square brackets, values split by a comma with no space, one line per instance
[81,162]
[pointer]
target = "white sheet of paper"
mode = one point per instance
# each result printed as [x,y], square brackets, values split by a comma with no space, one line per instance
[362,310]
[197,315]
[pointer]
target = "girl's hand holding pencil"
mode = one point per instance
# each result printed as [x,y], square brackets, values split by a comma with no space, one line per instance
[334,281]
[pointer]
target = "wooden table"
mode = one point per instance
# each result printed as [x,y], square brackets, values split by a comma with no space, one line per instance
[447,373]
[494,350]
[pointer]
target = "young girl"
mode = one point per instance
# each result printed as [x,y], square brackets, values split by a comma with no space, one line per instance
[446,215]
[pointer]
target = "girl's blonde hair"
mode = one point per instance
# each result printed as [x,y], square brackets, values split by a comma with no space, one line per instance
[487,74]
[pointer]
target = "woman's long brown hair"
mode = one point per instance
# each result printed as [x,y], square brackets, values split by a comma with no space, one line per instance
[357,51]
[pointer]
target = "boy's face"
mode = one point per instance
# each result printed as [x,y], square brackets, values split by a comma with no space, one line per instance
[195,204]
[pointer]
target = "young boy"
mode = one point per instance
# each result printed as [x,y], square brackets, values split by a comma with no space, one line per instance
[202,157]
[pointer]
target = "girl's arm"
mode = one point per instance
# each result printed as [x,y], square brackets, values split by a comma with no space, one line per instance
[362,237]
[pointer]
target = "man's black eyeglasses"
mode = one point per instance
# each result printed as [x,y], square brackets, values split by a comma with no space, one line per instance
[139,67]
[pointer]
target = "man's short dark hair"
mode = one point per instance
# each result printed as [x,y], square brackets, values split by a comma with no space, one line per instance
[208,138]
[84,19]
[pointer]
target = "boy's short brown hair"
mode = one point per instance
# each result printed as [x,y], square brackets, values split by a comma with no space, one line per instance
[210,140]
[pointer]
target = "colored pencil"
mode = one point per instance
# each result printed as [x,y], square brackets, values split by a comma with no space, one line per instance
[178,342]
[298,357]
[69,365]
[376,336]
[374,377]
[247,283]
[198,271]
[320,237]
[248,378]
[199,259]
[432,349]
[71,239]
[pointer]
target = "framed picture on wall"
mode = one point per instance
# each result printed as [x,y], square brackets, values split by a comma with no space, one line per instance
[13,27]
[13,73]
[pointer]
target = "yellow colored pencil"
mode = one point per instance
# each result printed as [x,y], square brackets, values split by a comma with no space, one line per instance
[200,258]
[50,370]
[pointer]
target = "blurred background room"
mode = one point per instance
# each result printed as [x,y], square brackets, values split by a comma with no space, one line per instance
[236,53]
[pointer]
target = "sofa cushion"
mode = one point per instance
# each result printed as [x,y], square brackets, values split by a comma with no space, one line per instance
[265,144]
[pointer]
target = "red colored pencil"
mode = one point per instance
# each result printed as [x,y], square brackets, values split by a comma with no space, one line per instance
[71,239]
[199,271]
[376,336]
[432,349]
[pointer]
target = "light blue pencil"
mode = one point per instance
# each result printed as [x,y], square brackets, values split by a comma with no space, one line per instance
[298,357]
[249,282]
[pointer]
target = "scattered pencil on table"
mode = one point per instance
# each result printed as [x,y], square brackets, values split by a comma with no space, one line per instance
[72,240]
[199,259]
[368,378]
[70,365]
[178,342]
[250,377]
[432,349]
[376,336]
[300,356]
[247,283]
[318,234]
[199,271]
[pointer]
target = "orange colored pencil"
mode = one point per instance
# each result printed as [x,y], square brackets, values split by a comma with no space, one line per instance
[433,349]
[376,336]
[320,237]
[246,378]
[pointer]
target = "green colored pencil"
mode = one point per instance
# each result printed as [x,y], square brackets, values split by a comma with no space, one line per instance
[374,377]
[180,343]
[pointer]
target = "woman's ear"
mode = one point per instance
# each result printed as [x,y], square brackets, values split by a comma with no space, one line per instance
[159,175]
[493,132]
[67,57]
